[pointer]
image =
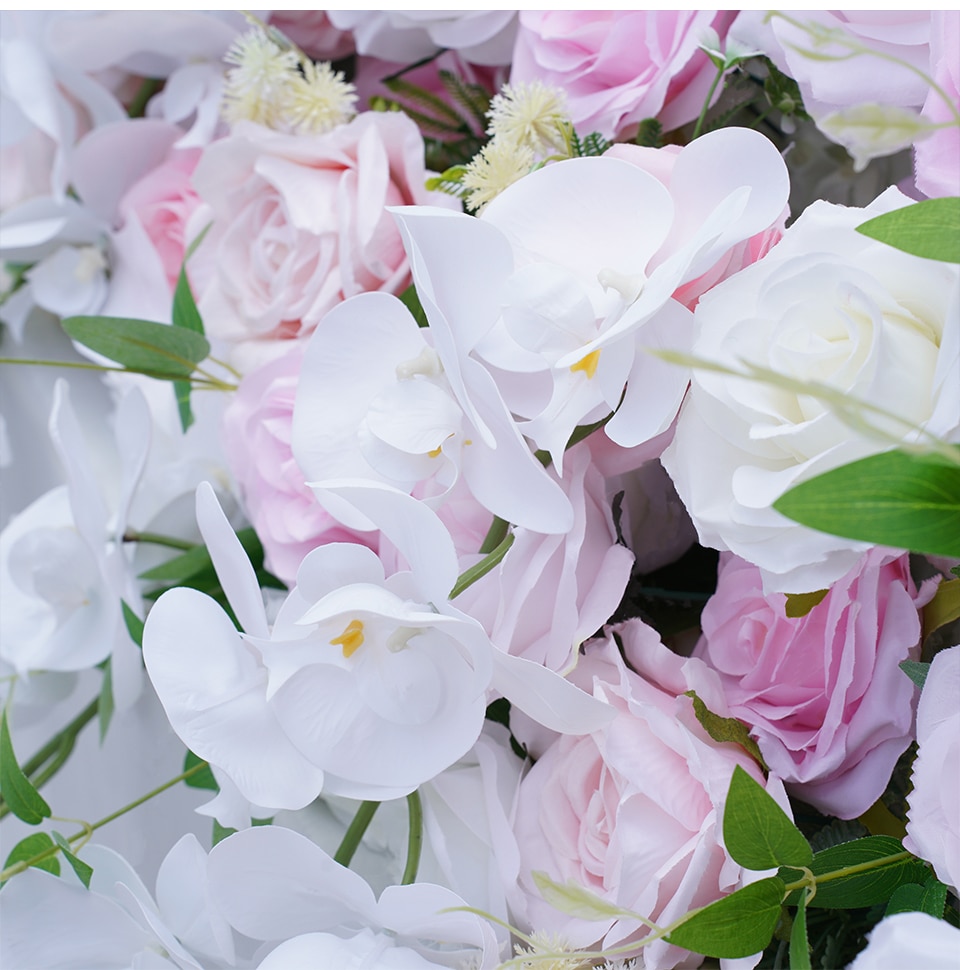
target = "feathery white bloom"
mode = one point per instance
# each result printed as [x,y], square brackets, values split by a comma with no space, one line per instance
[498,165]
[317,100]
[255,87]
[533,115]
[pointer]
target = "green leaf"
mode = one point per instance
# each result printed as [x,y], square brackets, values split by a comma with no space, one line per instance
[156,349]
[892,499]
[867,887]
[83,871]
[411,301]
[105,703]
[29,847]
[930,229]
[906,899]
[187,316]
[220,832]
[576,901]
[799,947]
[133,623]
[934,898]
[203,778]
[650,133]
[944,608]
[726,729]
[184,566]
[916,671]
[18,792]
[800,604]
[738,925]
[756,830]
[469,576]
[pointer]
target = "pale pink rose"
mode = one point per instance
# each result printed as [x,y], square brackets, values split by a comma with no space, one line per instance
[300,222]
[551,592]
[162,202]
[938,157]
[256,438]
[660,162]
[933,817]
[631,812]
[823,693]
[313,33]
[618,67]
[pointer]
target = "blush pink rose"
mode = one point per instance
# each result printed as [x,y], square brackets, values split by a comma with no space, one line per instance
[299,223]
[313,33]
[933,816]
[618,67]
[823,693]
[256,438]
[163,202]
[631,812]
[938,157]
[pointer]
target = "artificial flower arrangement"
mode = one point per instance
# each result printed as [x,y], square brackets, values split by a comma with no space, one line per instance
[503,507]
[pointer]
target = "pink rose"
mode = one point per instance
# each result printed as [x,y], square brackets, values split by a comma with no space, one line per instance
[162,202]
[300,222]
[823,693]
[618,67]
[938,157]
[313,33]
[631,812]
[256,438]
[933,818]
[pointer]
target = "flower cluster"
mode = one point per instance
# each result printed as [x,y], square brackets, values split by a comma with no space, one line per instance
[505,475]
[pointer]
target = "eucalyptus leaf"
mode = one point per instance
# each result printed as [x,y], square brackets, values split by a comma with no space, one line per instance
[756,830]
[930,229]
[133,624]
[32,846]
[867,887]
[894,499]
[18,792]
[799,947]
[574,900]
[738,925]
[156,349]
[724,729]
[81,868]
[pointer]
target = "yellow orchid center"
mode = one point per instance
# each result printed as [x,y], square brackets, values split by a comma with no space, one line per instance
[351,639]
[588,364]
[435,452]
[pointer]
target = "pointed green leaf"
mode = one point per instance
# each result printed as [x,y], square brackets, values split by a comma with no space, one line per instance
[916,671]
[162,351]
[726,729]
[181,567]
[221,832]
[411,301]
[105,702]
[881,864]
[185,312]
[799,947]
[934,898]
[800,604]
[576,901]
[905,899]
[756,830]
[892,499]
[32,846]
[133,624]
[83,871]
[738,925]
[930,229]
[18,792]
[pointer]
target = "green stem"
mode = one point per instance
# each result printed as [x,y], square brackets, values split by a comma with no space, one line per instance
[469,576]
[415,838]
[79,365]
[57,748]
[706,103]
[206,382]
[148,88]
[353,835]
[21,866]
[156,539]
[495,535]
[886,860]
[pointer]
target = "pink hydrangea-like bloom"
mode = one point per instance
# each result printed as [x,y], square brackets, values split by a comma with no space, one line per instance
[300,222]
[933,818]
[256,438]
[618,67]
[631,812]
[938,157]
[823,693]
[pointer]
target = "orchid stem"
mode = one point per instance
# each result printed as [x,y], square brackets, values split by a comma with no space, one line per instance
[415,839]
[353,835]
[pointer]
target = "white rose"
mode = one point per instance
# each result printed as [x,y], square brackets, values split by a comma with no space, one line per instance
[830,305]
[910,940]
